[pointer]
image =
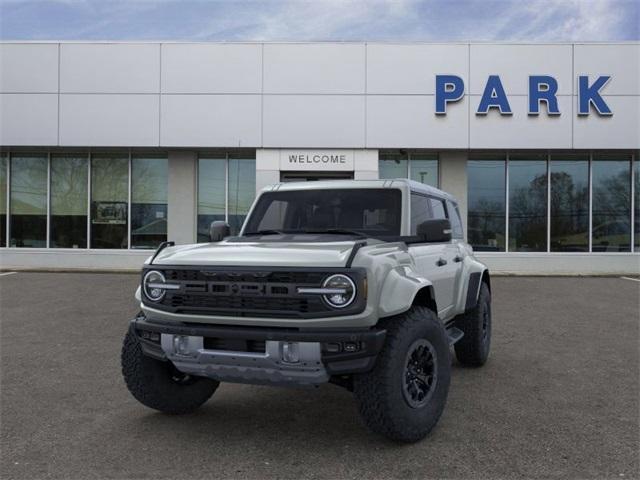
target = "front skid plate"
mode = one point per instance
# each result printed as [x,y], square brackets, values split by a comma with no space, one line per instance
[189,356]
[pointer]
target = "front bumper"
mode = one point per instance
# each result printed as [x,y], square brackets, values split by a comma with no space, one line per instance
[195,349]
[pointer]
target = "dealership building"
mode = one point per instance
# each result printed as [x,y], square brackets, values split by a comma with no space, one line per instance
[108,149]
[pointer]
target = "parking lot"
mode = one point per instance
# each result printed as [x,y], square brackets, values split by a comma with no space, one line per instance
[557,399]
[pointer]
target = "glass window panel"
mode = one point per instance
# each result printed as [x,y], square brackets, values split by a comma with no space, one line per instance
[569,203]
[393,165]
[437,209]
[420,211]
[211,194]
[371,211]
[4,162]
[69,201]
[28,201]
[636,214]
[487,207]
[528,203]
[424,169]
[109,197]
[242,190]
[611,230]
[456,221]
[149,185]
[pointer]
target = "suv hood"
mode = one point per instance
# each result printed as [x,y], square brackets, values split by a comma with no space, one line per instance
[277,254]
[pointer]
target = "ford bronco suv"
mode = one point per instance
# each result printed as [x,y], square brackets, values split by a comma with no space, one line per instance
[365,284]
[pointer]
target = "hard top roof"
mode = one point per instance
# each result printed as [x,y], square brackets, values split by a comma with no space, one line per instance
[401,183]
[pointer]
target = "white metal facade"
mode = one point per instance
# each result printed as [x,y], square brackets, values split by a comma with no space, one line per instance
[359,97]
[345,95]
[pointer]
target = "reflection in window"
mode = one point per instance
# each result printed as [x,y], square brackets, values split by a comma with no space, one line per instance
[211,193]
[456,221]
[242,190]
[69,201]
[569,203]
[421,167]
[393,165]
[611,182]
[486,199]
[109,194]
[424,169]
[149,184]
[28,201]
[420,211]
[4,162]
[437,209]
[528,203]
[636,194]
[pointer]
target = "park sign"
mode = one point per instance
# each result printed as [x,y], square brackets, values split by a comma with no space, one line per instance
[542,90]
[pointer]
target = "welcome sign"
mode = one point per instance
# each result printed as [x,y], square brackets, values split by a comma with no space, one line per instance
[317,160]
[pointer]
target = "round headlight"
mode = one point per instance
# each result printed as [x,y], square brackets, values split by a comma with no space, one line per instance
[150,285]
[344,291]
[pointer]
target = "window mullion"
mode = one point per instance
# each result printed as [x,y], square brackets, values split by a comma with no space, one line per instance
[8,219]
[590,201]
[226,188]
[88,200]
[506,203]
[633,203]
[48,241]
[129,206]
[548,202]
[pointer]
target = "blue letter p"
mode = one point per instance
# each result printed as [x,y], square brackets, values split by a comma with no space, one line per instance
[449,88]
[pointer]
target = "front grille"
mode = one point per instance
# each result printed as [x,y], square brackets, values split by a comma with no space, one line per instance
[246,306]
[243,292]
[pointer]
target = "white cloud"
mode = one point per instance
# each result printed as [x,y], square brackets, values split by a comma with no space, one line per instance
[565,20]
[324,20]
[308,20]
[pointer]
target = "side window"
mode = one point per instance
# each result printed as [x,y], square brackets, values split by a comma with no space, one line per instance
[456,222]
[419,211]
[437,207]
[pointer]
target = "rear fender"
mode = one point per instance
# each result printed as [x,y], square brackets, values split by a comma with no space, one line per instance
[402,286]
[476,275]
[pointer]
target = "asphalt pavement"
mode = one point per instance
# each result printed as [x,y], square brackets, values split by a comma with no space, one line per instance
[559,397]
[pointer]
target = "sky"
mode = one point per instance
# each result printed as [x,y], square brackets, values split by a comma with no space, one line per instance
[321,20]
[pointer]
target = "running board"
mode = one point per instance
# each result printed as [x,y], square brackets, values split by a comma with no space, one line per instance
[454,335]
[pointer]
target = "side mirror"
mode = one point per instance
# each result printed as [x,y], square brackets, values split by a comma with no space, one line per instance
[219,230]
[437,230]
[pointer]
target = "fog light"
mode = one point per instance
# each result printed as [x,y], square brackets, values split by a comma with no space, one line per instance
[350,347]
[181,344]
[291,352]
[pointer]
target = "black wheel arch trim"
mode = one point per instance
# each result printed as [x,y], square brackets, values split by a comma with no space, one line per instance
[473,288]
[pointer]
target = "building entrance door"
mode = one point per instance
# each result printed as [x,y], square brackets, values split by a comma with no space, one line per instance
[314,176]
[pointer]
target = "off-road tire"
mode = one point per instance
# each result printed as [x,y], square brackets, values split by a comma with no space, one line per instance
[379,393]
[158,385]
[473,348]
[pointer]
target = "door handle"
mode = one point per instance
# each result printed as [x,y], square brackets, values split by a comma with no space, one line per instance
[457,259]
[441,262]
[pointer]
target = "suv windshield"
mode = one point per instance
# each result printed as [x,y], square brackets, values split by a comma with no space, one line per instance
[374,212]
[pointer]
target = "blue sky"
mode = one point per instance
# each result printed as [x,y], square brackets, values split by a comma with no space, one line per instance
[300,20]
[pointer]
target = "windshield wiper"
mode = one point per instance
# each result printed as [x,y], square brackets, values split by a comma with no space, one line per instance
[264,232]
[339,231]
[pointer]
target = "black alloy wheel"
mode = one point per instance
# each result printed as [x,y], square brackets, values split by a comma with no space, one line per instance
[420,373]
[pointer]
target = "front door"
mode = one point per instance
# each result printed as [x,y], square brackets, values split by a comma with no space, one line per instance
[314,176]
[439,262]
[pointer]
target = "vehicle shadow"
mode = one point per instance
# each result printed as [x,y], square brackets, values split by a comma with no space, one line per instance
[258,414]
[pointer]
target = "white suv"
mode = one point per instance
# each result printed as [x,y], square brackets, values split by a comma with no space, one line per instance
[364,284]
